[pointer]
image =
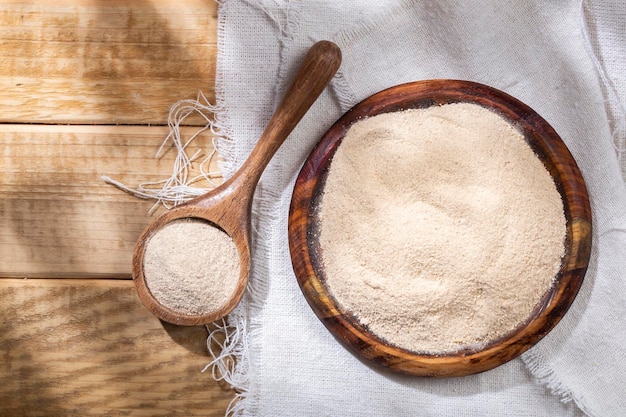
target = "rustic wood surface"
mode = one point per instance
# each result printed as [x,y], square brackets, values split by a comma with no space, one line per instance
[111,61]
[88,347]
[86,90]
[305,249]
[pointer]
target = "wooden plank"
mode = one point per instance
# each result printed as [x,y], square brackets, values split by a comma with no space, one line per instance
[79,348]
[107,62]
[58,218]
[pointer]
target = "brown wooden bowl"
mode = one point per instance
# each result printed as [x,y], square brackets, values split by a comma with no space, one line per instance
[550,149]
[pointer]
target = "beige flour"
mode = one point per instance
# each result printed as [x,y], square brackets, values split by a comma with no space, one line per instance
[191,266]
[440,228]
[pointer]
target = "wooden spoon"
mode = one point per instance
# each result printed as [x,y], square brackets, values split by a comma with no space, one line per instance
[228,207]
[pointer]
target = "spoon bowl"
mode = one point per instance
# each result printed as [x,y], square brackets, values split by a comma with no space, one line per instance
[228,206]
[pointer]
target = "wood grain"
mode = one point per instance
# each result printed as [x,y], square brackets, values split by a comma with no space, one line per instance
[58,218]
[306,252]
[79,348]
[103,62]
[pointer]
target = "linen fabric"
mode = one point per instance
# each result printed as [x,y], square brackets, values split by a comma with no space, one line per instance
[557,57]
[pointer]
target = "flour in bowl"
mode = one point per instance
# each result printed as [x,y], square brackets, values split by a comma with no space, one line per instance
[440,229]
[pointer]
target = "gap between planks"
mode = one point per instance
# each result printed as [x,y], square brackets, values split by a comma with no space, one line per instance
[58,218]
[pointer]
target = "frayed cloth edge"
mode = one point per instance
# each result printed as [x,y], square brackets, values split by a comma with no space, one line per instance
[545,376]
[232,363]
[231,341]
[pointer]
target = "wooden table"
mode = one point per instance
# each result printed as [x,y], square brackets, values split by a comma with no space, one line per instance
[86,87]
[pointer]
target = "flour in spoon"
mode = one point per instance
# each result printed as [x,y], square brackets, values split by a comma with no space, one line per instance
[440,229]
[191,267]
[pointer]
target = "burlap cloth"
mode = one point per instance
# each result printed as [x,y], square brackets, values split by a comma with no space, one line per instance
[566,59]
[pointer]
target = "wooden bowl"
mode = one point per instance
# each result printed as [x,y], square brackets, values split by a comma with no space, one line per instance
[548,147]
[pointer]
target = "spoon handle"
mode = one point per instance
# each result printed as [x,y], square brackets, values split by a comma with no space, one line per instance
[317,69]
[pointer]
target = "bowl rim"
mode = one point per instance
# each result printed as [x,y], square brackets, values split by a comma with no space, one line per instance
[548,147]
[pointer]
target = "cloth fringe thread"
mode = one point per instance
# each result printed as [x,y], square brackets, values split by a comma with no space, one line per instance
[227,365]
[181,186]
